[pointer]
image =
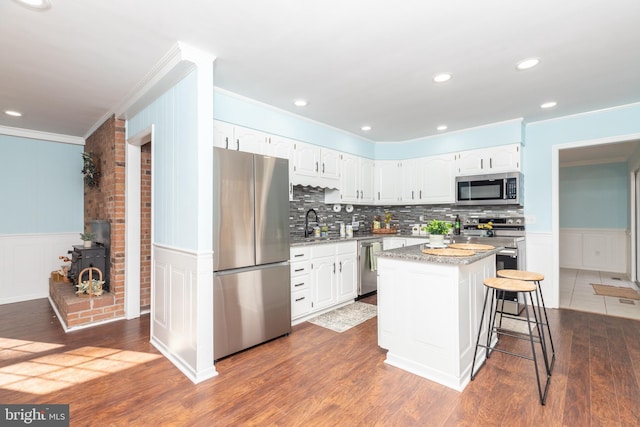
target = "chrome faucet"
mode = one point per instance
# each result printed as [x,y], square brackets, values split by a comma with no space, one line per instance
[307,232]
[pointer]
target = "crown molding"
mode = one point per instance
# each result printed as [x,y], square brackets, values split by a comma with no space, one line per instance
[44,136]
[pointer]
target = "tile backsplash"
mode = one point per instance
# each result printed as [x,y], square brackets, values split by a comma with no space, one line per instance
[305,198]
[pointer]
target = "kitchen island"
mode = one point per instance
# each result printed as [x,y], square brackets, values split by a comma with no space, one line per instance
[429,310]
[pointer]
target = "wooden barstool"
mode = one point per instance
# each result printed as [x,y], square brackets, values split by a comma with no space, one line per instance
[530,276]
[498,286]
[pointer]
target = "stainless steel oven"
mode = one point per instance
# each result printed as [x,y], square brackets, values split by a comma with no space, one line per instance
[508,233]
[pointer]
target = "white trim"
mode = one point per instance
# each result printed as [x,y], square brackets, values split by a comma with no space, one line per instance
[593,162]
[177,63]
[132,222]
[195,377]
[44,136]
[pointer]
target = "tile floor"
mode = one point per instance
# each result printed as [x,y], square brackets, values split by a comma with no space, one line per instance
[577,293]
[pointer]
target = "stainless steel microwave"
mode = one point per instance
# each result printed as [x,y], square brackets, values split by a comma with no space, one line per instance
[491,189]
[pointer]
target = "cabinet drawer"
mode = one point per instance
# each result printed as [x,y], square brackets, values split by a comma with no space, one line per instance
[299,268]
[318,251]
[300,282]
[299,253]
[347,248]
[300,303]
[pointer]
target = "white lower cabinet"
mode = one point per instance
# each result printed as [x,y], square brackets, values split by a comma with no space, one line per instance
[322,276]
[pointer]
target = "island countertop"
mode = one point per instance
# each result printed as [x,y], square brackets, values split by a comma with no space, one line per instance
[414,253]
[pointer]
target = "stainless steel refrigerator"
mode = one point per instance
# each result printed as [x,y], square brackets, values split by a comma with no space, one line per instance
[252,291]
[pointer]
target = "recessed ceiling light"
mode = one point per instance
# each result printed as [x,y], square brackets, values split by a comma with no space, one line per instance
[442,77]
[13,113]
[300,103]
[366,128]
[549,104]
[442,127]
[525,64]
[35,4]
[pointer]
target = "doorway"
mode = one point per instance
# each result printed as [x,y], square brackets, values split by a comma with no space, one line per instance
[138,224]
[584,247]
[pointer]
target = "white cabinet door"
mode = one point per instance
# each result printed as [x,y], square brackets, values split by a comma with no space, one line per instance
[278,146]
[223,135]
[233,137]
[350,179]
[366,181]
[503,158]
[347,276]
[470,162]
[306,160]
[386,182]
[330,164]
[437,179]
[409,188]
[249,140]
[323,277]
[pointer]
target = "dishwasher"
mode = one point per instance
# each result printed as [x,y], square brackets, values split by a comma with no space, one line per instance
[367,278]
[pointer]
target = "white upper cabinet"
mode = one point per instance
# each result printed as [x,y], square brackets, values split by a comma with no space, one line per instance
[502,158]
[366,181]
[316,166]
[437,179]
[356,181]
[232,137]
[277,146]
[409,188]
[387,182]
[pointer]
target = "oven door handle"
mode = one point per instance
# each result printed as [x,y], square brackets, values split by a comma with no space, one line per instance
[508,252]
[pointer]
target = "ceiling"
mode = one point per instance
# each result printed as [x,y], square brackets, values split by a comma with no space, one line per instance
[356,62]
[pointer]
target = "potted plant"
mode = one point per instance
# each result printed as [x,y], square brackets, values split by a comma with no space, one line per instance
[437,229]
[89,170]
[87,237]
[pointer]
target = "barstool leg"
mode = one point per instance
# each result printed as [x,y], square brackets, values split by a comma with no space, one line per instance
[537,311]
[546,319]
[475,353]
[543,395]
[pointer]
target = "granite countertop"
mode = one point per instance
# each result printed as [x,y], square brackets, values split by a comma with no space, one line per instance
[335,238]
[414,253]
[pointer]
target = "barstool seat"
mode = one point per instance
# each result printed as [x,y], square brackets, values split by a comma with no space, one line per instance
[530,276]
[497,286]
[536,278]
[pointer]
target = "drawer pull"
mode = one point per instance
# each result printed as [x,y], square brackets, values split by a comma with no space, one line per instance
[300,299]
[298,255]
[299,269]
[299,284]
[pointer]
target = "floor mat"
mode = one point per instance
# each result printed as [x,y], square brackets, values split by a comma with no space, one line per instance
[615,291]
[344,318]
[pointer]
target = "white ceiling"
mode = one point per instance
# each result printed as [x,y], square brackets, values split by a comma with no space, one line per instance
[357,62]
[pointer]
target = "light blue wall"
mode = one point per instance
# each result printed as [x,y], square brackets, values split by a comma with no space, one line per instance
[540,137]
[480,137]
[595,196]
[42,187]
[242,112]
[175,147]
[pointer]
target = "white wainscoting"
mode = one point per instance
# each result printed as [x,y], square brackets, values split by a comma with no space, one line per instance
[182,310]
[26,263]
[540,258]
[595,249]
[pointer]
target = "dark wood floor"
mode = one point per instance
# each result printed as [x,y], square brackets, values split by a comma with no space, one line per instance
[111,375]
